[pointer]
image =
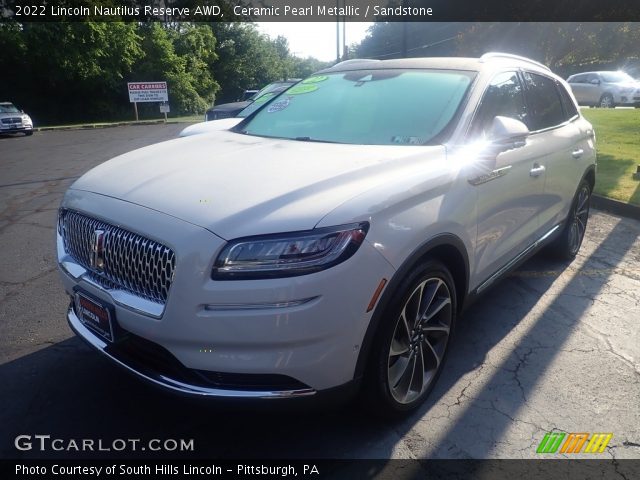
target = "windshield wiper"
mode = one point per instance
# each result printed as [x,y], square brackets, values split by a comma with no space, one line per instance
[309,139]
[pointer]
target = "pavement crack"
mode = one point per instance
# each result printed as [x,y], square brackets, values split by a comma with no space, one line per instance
[26,282]
[630,444]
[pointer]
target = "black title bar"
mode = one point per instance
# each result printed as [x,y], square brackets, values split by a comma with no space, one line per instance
[320,10]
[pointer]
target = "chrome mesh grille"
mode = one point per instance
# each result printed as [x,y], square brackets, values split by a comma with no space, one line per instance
[131,262]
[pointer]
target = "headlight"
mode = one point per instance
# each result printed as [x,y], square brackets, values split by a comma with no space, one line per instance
[288,254]
[26,119]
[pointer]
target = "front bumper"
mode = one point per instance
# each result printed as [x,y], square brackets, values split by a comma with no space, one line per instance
[628,98]
[178,382]
[307,329]
[16,128]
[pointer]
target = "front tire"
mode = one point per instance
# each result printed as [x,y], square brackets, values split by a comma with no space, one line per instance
[413,340]
[567,245]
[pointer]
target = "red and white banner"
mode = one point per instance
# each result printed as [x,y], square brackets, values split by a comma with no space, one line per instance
[148,92]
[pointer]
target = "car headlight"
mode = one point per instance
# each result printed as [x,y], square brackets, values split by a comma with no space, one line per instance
[288,254]
[26,119]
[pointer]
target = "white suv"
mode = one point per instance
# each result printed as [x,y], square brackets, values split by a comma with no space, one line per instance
[331,238]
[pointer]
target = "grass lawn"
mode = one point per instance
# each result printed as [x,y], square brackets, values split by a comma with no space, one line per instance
[618,144]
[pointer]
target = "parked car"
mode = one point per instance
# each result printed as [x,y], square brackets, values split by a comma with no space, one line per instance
[227,110]
[13,120]
[605,89]
[248,95]
[225,123]
[331,240]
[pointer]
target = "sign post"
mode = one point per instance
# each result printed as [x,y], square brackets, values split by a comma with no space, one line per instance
[147,92]
[164,108]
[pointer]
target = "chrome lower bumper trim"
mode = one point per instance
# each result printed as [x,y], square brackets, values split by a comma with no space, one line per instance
[226,307]
[173,384]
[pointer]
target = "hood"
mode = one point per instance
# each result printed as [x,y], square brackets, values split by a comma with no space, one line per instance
[210,126]
[12,115]
[238,185]
[626,84]
[227,107]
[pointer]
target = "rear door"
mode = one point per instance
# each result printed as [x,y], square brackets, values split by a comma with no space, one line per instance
[557,140]
[567,165]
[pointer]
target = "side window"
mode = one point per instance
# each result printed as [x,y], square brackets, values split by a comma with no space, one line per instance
[580,78]
[569,107]
[544,102]
[591,77]
[503,97]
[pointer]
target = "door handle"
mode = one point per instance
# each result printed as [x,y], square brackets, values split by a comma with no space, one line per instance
[577,153]
[537,170]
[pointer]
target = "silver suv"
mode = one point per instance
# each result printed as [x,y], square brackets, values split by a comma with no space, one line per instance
[332,237]
[13,120]
[605,89]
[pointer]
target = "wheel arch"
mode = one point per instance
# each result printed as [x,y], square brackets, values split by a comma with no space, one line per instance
[590,176]
[446,248]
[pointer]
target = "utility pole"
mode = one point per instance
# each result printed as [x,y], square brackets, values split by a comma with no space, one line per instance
[337,31]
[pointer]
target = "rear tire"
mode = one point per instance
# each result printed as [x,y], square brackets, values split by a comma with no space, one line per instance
[606,101]
[567,245]
[411,344]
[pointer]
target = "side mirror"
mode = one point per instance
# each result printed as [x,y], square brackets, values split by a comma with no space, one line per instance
[595,81]
[507,133]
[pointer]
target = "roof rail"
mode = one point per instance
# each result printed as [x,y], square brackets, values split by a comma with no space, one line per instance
[490,55]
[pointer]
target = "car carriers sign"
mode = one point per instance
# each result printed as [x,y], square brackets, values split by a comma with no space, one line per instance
[148,92]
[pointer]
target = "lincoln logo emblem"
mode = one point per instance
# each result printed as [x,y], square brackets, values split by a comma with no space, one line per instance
[97,250]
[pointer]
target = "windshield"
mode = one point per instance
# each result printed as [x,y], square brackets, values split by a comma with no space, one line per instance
[367,107]
[269,88]
[8,108]
[262,99]
[616,77]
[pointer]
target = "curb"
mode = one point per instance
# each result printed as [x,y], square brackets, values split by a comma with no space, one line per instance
[615,207]
[90,126]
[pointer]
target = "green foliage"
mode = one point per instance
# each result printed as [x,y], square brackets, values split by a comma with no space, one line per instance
[181,57]
[246,59]
[386,40]
[565,47]
[77,71]
[67,69]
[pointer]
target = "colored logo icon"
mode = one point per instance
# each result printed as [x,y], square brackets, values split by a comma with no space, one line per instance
[555,442]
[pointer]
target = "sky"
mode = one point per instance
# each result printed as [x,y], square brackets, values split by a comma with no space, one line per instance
[314,39]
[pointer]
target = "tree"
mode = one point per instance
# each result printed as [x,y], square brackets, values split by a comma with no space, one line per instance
[182,57]
[69,69]
[246,59]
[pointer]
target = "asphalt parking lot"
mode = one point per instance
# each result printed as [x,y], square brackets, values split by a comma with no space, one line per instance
[551,348]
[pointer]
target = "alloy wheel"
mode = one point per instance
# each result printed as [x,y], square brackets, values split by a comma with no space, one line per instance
[606,101]
[419,340]
[579,220]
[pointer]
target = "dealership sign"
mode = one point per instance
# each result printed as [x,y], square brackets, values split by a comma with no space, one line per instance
[148,92]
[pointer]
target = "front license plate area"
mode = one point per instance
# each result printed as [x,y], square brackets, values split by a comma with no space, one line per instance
[95,315]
